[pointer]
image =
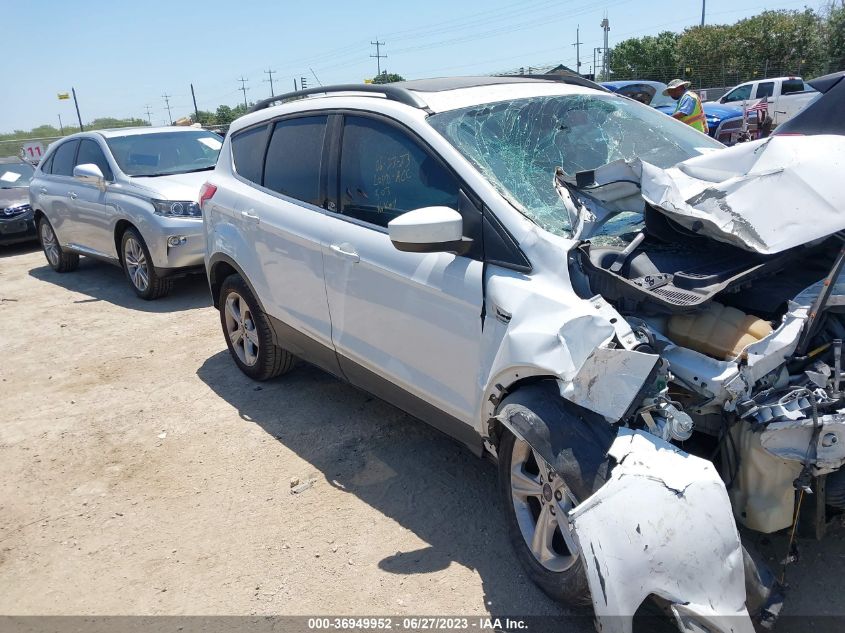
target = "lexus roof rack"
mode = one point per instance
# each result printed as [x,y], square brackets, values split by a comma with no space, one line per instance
[391,93]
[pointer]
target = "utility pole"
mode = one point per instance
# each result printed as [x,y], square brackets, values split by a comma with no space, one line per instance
[303,83]
[595,63]
[295,88]
[703,4]
[270,72]
[196,109]
[605,25]
[243,89]
[378,54]
[166,98]
[577,46]
[149,118]
[61,127]
[78,116]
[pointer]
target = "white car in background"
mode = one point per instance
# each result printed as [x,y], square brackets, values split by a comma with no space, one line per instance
[573,283]
[785,96]
[126,196]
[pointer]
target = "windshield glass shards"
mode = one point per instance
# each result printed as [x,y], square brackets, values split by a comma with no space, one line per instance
[517,144]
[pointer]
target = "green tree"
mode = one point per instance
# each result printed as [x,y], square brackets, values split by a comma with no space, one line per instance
[835,49]
[650,57]
[387,78]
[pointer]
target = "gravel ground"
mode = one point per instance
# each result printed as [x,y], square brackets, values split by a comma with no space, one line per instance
[142,474]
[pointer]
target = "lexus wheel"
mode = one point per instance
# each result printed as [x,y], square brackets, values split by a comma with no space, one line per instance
[59,259]
[139,269]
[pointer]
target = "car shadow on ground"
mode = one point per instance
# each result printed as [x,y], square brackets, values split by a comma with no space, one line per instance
[410,472]
[101,281]
[407,471]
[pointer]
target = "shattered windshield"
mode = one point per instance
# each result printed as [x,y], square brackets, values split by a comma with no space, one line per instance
[517,144]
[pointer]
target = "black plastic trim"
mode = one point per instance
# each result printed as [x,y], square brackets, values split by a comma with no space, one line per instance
[391,93]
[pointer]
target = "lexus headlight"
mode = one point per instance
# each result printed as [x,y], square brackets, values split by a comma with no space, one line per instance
[177,208]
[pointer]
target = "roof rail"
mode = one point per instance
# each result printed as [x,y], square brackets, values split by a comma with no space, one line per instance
[564,78]
[391,93]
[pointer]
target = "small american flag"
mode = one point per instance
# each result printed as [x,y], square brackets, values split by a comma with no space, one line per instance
[760,106]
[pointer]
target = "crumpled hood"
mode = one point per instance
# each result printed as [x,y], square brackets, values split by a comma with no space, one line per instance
[765,196]
[173,186]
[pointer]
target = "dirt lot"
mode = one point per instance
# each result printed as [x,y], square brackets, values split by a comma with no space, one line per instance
[141,473]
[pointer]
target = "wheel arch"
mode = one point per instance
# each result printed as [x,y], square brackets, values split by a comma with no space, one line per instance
[573,440]
[119,229]
[221,266]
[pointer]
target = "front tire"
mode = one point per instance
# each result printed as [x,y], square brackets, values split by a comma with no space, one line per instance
[249,336]
[536,502]
[59,259]
[139,269]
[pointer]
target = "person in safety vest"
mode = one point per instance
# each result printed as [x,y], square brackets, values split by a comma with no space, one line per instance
[689,108]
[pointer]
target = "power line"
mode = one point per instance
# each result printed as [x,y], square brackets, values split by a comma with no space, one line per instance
[378,54]
[166,98]
[270,73]
[243,89]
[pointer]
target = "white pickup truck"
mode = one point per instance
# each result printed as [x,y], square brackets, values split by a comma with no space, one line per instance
[786,96]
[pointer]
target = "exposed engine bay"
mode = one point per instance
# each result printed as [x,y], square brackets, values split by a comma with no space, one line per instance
[749,331]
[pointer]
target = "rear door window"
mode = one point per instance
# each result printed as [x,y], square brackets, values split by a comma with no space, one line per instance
[765,89]
[294,158]
[91,153]
[384,173]
[248,152]
[791,85]
[64,158]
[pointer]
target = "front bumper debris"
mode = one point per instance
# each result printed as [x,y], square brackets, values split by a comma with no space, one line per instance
[662,526]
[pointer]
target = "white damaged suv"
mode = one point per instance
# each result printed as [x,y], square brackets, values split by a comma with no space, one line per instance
[622,312]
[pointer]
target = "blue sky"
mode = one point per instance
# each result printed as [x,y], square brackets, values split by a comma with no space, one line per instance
[122,56]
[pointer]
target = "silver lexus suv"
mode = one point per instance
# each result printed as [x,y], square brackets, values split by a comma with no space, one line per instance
[127,196]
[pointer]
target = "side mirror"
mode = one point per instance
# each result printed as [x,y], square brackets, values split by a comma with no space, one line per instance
[429,230]
[90,174]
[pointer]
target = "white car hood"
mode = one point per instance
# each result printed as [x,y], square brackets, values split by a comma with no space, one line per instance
[765,196]
[173,186]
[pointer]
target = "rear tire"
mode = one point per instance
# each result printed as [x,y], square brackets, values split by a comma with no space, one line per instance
[139,269]
[59,259]
[249,336]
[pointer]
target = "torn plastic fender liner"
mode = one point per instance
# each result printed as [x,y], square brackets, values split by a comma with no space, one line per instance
[662,525]
[573,440]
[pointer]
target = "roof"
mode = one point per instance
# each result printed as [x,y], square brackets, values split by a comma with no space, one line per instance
[444,93]
[132,131]
[826,82]
[631,82]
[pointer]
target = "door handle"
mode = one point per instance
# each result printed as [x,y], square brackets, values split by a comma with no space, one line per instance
[43,189]
[72,195]
[250,216]
[347,251]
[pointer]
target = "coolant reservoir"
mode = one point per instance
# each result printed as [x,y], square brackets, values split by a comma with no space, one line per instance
[717,330]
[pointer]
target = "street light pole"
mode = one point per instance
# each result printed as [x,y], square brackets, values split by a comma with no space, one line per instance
[61,127]
[703,4]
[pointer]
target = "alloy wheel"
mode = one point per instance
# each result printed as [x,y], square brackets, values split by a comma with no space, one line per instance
[542,502]
[50,244]
[136,264]
[240,328]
